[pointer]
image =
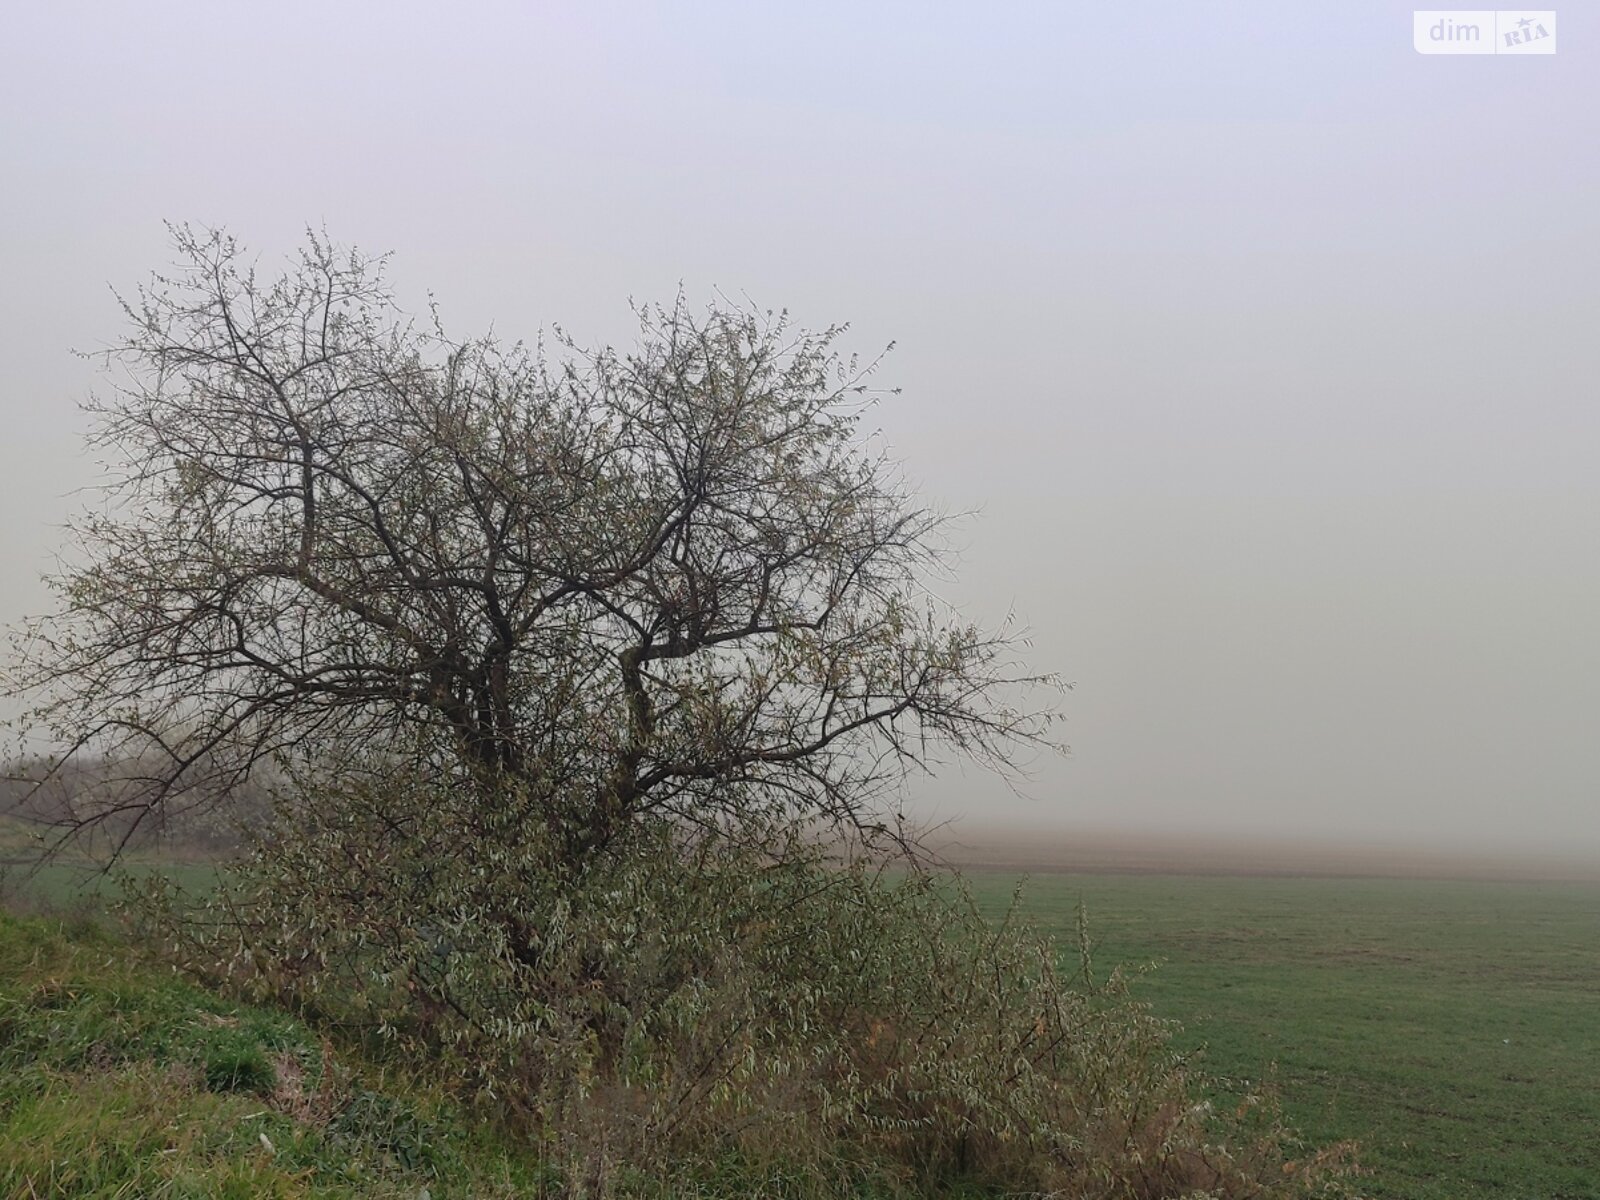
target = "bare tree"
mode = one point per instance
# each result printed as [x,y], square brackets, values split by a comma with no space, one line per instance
[670,582]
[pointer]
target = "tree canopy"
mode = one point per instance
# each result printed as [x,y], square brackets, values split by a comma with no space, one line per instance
[675,580]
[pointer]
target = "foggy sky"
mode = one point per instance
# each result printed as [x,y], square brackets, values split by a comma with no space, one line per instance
[1265,348]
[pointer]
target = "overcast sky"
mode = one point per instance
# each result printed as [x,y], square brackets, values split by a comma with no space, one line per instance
[1266,347]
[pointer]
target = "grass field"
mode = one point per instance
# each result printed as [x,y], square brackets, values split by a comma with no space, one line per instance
[1452,1027]
[75,881]
[71,888]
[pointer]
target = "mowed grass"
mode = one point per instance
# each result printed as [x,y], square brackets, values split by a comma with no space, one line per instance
[76,882]
[78,889]
[1453,1028]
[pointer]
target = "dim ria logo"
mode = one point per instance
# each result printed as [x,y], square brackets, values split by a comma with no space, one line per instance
[1454,31]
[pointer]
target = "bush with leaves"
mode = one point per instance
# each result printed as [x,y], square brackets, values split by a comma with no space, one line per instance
[743,995]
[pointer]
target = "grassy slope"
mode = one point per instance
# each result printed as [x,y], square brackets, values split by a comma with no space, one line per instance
[120,1080]
[1454,1028]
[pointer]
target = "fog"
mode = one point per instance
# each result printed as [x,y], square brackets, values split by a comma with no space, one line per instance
[1262,347]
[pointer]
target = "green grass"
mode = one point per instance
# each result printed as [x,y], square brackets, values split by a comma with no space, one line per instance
[118,1079]
[1453,1028]
[75,888]
[75,882]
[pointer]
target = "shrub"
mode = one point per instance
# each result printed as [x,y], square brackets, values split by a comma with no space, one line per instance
[740,995]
